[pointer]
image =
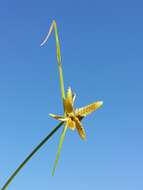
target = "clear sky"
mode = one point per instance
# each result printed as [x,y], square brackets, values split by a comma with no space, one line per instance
[102,56]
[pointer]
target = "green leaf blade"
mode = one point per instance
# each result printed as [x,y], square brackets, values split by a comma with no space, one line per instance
[59,149]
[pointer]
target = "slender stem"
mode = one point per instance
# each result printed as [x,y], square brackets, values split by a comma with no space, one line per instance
[31,155]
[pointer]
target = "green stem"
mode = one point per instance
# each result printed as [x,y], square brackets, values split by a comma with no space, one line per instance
[31,155]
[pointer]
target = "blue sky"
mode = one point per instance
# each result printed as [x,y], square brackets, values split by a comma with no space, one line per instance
[101,45]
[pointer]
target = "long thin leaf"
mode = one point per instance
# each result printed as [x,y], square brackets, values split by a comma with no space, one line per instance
[58,51]
[59,149]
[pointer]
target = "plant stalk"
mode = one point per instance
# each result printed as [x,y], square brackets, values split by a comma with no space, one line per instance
[30,156]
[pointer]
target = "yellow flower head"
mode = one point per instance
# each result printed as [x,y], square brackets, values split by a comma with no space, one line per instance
[73,116]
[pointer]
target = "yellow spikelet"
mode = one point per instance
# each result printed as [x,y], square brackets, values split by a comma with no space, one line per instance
[88,109]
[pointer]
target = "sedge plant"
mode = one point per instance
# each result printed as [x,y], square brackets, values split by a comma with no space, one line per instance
[71,119]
